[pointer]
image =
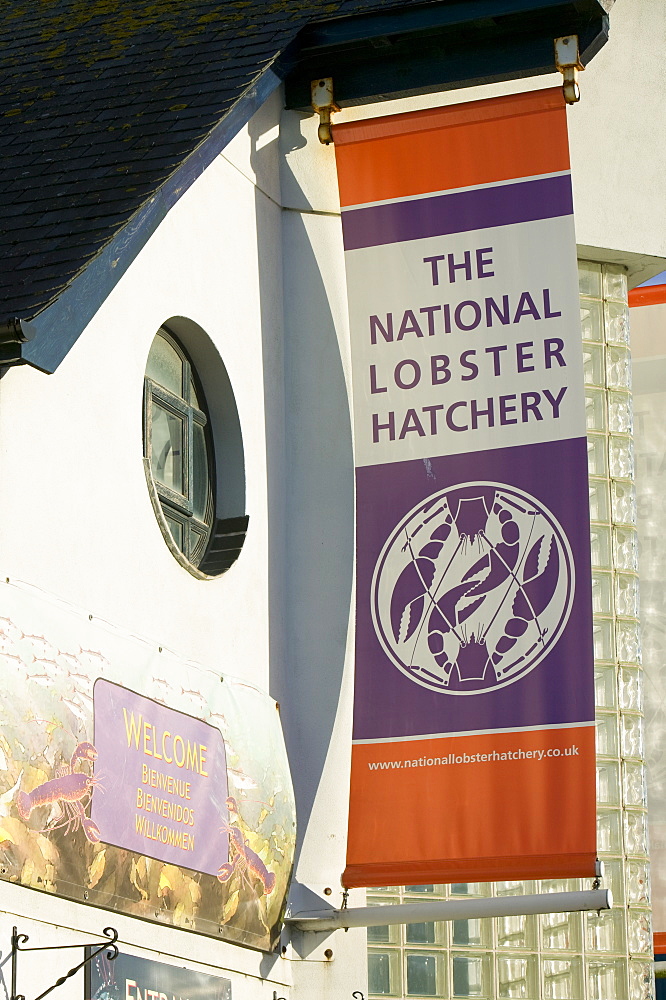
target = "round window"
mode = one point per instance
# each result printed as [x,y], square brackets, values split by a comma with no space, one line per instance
[179,459]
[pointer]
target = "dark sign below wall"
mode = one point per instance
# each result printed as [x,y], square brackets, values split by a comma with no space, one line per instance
[131,978]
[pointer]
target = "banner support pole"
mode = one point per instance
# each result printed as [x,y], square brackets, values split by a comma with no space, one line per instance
[464,909]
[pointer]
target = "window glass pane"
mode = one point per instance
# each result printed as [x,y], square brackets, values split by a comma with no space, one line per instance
[194,399]
[422,975]
[166,448]
[200,471]
[165,366]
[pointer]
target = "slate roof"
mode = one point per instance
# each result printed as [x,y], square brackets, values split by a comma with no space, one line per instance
[100,100]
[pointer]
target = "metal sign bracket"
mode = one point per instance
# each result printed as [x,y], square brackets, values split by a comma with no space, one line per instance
[19,940]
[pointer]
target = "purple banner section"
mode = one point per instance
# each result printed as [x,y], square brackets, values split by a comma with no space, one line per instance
[457,212]
[162,781]
[470,613]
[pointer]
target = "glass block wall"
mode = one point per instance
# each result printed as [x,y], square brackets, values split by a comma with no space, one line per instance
[570,956]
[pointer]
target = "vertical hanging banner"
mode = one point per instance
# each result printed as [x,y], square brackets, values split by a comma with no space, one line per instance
[473,746]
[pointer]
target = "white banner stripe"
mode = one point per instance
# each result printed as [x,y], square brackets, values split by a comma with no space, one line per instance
[460,190]
[478,732]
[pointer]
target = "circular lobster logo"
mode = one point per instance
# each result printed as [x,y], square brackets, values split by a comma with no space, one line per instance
[473,588]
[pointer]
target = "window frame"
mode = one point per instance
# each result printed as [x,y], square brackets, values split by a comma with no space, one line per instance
[179,507]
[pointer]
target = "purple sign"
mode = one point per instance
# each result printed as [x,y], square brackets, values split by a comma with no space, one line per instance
[161,781]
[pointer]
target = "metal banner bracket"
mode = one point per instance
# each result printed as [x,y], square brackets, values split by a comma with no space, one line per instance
[567,60]
[19,940]
[323,103]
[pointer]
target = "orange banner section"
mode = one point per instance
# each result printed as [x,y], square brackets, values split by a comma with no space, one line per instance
[660,943]
[482,142]
[483,778]
[648,295]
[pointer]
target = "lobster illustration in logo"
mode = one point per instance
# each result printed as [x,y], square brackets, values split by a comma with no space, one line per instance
[473,588]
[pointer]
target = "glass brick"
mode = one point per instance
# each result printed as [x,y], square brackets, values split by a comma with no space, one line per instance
[589,278]
[384,973]
[614,879]
[607,737]
[620,412]
[624,503]
[425,975]
[594,366]
[606,979]
[471,933]
[625,549]
[627,595]
[633,785]
[602,632]
[599,500]
[472,976]
[631,689]
[517,932]
[470,889]
[597,459]
[641,980]
[639,932]
[605,931]
[602,593]
[420,933]
[609,831]
[592,326]
[631,736]
[562,979]
[600,544]
[621,457]
[560,885]
[638,883]
[615,282]
[513,888]
[595,410]
[604,687]
[384,935]
[618,368]
[635,833]
[616,321]
[608,783]
[561,931]
[517,977]
[628,641]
